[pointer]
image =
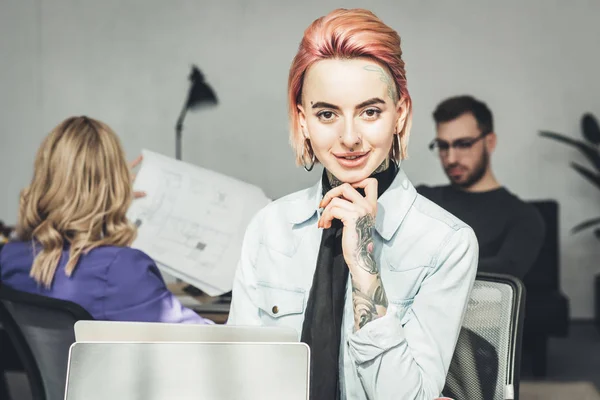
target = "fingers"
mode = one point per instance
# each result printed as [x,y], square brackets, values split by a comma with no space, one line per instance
[370,187]
[346,202]
[327,216]
[345,191]
[346,213]
[137,193]
[136,162]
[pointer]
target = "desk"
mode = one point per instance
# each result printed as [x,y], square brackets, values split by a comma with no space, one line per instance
[205,306]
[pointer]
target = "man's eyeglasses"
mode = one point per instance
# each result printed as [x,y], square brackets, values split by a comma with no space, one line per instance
[460,146]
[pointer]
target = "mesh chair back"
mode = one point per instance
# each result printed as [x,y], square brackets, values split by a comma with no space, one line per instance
[488,352]
[43,329]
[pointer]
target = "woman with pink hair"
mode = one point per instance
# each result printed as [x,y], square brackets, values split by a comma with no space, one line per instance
[374,277]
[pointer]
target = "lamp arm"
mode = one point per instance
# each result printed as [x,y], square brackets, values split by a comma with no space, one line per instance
[178,130]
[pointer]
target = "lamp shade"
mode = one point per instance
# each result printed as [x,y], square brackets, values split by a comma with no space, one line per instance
[200,92]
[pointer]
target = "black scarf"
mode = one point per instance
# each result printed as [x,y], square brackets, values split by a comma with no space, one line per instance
[322,328]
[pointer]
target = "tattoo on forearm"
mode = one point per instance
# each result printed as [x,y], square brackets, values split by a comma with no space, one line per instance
[365,304]
[364,250]
[385,78]
[364,308]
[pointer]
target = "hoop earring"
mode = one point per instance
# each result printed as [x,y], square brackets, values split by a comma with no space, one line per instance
[394,155]
[312,165]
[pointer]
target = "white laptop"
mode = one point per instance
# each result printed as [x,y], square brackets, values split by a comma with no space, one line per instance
[188,371]
[112,331]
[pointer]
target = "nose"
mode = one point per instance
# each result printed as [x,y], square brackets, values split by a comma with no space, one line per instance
[450,156]
[350,137]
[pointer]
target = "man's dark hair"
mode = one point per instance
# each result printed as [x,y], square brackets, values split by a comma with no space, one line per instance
[454,107]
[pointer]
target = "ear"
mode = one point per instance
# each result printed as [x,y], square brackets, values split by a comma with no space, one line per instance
[402,109]
[490,141]
[401,112]
[302,121]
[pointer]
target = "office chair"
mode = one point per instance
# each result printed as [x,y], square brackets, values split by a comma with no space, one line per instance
[41,329]
[487,358]
[547,308]
[9,360]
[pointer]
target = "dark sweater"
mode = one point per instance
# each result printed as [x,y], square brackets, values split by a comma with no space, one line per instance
[510,232]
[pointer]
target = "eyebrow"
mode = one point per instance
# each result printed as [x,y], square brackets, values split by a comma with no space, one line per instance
[370,102]
[457,139]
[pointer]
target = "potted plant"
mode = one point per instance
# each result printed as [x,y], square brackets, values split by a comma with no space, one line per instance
[590,148]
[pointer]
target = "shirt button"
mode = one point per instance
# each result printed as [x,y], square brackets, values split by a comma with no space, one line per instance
[275,309]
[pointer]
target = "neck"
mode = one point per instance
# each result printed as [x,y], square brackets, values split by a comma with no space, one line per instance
[485,184]
[334,182]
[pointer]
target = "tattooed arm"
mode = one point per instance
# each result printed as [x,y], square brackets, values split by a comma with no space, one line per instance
[368,294]
[402,349]
[357,213]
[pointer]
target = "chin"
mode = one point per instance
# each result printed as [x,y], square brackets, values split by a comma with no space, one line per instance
[350,175]
[462,183]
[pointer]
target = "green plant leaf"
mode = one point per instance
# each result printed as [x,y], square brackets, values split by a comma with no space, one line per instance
[590,152]
[585,225]
[591,176]
[590,128]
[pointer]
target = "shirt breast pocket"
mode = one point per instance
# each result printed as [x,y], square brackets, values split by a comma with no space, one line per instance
[402,278]
[279,306]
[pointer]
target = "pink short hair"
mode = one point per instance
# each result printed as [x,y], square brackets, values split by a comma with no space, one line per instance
[346,34]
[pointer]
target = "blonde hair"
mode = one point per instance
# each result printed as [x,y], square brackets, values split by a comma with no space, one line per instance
[347,34]
[79,194]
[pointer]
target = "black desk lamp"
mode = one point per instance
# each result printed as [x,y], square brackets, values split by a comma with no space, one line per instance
[200,94]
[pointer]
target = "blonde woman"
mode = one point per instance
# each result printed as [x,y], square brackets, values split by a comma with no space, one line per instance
[73,235]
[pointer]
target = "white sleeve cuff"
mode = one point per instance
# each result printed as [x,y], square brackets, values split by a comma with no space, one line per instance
[376,337]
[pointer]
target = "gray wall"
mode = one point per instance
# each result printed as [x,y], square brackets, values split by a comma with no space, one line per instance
[126,62]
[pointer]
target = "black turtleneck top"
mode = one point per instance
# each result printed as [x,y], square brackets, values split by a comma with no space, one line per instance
[510,231]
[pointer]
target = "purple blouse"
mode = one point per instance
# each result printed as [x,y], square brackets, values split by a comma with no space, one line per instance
[111,283]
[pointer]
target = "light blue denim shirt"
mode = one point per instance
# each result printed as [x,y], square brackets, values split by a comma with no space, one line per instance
[428,261]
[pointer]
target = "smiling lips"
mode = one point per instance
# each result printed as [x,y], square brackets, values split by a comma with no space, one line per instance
[352,160]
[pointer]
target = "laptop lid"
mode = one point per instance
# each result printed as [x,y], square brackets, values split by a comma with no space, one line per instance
[188,371]
[117,331]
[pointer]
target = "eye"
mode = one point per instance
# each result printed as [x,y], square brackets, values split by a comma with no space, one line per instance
[326,116]
[372,113]
[463,145]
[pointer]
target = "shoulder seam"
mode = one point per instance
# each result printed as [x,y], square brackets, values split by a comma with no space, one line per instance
[445,242]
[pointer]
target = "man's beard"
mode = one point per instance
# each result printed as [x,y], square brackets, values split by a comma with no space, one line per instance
[471,177]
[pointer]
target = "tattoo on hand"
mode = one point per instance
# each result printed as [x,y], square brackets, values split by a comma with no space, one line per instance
[365,304]
[385,78]
[364,249]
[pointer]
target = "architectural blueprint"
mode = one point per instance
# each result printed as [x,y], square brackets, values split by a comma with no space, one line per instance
[192,220]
